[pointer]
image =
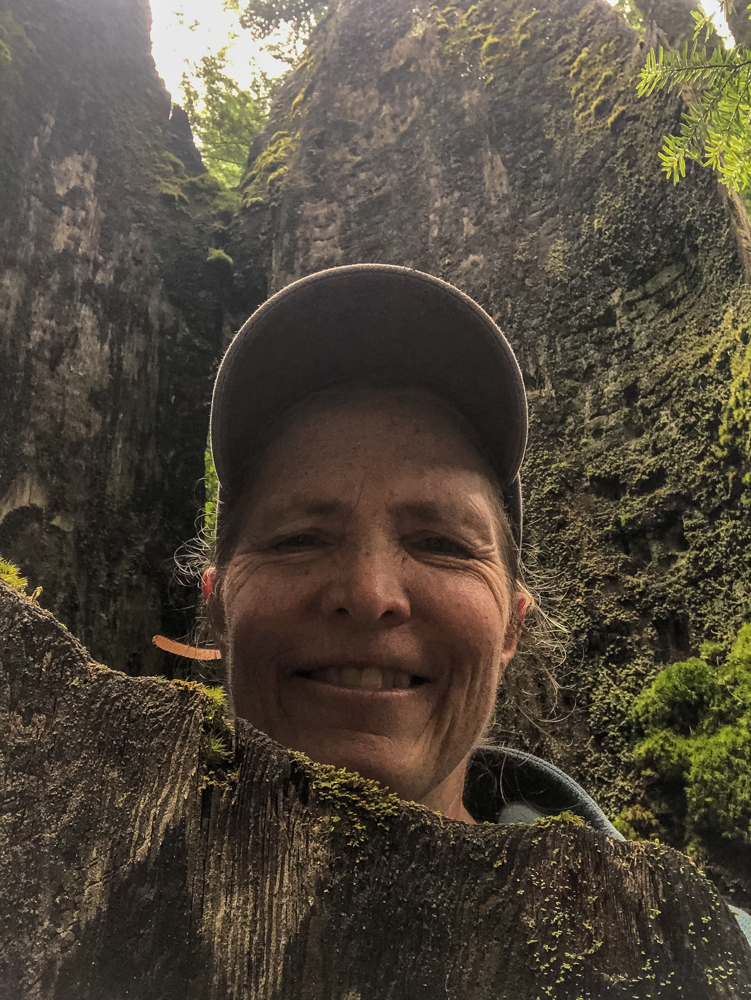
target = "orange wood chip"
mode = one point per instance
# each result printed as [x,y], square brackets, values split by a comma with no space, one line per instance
[180,649]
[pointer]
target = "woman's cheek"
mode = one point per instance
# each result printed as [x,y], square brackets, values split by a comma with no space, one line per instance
[479,607]
[257,593]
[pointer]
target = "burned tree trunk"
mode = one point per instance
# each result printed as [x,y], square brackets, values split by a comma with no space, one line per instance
[133,868]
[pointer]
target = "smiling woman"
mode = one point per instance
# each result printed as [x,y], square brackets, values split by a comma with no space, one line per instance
[365,587]
[367,611]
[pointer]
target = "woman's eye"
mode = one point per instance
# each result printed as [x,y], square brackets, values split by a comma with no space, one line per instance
[301,541]
[438,545]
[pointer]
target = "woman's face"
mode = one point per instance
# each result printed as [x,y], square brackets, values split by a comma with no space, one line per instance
[366,614]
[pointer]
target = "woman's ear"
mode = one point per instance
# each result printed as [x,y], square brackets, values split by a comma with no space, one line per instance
[214,605]
[523,601]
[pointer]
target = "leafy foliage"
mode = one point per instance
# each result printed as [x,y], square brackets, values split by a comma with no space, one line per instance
[211,487]
[293,20]
[631,14]
[716,83]
[695,726]
[266,176]
[15,53]
[224,117]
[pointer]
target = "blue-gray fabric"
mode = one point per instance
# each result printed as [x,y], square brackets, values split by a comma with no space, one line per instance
[510,786]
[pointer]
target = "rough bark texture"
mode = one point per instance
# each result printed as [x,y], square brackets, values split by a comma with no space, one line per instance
[130,870]
[110,321]
[503,147]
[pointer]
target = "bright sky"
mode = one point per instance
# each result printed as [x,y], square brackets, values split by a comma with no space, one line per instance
[712,9]
[183,31]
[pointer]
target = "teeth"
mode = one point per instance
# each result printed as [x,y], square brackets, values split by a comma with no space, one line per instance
[351,677]
[371,678]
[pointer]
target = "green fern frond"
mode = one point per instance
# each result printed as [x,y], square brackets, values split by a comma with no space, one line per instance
[715,129]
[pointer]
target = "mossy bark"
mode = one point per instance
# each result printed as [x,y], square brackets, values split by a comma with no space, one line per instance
[111,322]
[130,869]
[502,147]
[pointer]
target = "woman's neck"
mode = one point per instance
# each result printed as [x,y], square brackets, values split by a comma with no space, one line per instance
[448,797]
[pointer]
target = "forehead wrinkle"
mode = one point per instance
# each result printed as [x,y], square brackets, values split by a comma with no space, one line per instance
[466,510]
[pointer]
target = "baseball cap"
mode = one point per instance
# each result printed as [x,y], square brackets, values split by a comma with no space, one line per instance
[376,322]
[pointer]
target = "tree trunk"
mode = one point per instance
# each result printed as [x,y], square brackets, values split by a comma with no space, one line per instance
[110,323]
[131,869]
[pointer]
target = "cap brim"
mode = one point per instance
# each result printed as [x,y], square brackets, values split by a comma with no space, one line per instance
[375,321]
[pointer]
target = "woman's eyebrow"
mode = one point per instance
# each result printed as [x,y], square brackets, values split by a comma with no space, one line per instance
[439,512]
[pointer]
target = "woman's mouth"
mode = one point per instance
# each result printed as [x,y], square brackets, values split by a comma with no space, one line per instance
[362,678]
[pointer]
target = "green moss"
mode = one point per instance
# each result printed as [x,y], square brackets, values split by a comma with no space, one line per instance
[170,178]
[463,35]
[594,83]
[558,262]
[361,802]
[637,823]
[11,575]
[16,51]
[600,107]
[564,818]
[216,744]
[265,179]
[694,722]
[616,115]
[219,257]
[297,104]
[491,47]
[199,195]
[735,425]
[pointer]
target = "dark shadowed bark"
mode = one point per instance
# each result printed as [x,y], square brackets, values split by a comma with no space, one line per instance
[110,322]
[129,869]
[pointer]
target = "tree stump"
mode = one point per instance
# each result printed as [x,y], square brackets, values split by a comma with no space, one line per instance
[131,868]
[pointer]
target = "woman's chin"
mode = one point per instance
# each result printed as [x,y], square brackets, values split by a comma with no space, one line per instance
[373,757]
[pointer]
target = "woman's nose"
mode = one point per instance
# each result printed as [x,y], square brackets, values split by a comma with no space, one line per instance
[367,585]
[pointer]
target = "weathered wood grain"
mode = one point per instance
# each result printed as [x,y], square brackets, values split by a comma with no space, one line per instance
[128,870]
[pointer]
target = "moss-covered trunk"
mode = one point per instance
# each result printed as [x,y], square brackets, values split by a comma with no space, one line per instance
[131,868]
[502,147]
[110,322]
